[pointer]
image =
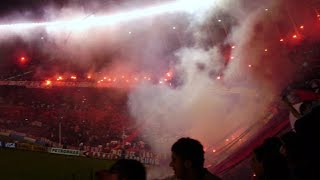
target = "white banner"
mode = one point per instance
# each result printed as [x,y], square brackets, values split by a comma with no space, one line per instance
[70,152]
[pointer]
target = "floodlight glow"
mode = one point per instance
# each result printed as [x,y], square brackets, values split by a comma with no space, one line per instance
[188,6]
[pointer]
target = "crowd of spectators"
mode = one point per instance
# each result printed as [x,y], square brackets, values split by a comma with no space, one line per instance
[88,118]
[97,119]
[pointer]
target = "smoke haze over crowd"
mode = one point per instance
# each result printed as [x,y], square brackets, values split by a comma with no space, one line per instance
[228,60]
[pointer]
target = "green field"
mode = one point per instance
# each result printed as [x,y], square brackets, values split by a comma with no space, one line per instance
[24,165]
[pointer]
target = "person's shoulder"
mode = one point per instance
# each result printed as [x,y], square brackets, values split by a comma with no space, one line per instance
[209,176]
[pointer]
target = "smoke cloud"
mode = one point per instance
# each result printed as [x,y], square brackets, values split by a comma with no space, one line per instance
[228,62]
[217,100]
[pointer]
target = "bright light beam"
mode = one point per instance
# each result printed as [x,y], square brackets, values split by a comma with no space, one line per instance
[189,6]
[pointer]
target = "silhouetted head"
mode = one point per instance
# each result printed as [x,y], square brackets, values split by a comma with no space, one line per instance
[187,154]
[272,144]
[126,169]
[256,161]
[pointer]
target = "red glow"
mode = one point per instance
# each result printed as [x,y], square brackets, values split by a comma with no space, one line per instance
[59,78]
[22,59]
[48,82]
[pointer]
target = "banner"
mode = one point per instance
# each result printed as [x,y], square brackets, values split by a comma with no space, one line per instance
[69,152]
[7,144]
[143,160]
[115,156]
[10,145]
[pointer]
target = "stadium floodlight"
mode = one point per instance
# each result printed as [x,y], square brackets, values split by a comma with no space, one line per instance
[188,6]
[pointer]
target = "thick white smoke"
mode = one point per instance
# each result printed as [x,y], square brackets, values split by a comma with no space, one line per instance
[204,107]
[212,108]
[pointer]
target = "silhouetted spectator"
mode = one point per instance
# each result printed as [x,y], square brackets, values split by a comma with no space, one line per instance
[256,162]
[269,165]
[307,129]
[272,144]
[275,167]
[127,169]
[307,126]
[188,160]
[292,150]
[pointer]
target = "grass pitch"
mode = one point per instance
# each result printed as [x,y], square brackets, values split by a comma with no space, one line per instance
[25,165]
